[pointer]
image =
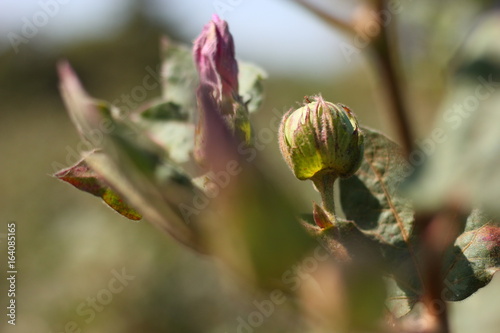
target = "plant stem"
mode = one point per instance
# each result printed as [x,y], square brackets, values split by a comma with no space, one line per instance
[324,183]
[387,65]
[344,25]
[438,233]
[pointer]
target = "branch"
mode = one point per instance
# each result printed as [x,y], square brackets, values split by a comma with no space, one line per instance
[387,61]
[345,26]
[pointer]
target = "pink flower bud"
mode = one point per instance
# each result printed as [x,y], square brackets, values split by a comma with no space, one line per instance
[218,73]
[214,57]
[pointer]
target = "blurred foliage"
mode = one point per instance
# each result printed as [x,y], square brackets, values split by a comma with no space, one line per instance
[68,246]
[373,200]
[464,154]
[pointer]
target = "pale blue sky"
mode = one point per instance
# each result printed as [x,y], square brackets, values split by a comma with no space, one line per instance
[277,34]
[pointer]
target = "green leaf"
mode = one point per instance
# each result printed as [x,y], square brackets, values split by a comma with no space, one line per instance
[153,184]
[167,126]
[85,179]
[170,123]
[179,77]
[373,200]
[474,258]
[251,88]
[258,223]
[359,254]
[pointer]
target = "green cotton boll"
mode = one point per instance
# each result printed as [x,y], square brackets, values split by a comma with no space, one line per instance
[321,137]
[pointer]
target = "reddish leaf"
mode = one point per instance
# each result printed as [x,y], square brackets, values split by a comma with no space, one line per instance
[84,178]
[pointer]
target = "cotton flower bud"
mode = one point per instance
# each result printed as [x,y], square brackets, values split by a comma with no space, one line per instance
[214,56]
[321,137]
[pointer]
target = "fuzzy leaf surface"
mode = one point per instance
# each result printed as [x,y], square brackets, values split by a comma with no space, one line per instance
[180,79]
[474,258]
[373,200]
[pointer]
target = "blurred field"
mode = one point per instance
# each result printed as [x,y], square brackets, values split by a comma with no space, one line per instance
[69,243]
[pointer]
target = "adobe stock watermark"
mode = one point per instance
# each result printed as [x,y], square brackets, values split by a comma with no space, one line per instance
[32,25]
[368,28]
[11,272]
[292,279]
[126,103]
[454,116]
[216,181]
[88,309]
[222,7]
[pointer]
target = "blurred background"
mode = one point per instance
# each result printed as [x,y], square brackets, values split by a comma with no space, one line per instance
[70,246]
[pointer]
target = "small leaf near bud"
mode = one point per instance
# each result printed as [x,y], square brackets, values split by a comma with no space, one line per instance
[321,217]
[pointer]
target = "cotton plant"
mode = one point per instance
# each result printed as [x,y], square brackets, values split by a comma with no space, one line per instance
[177,163]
